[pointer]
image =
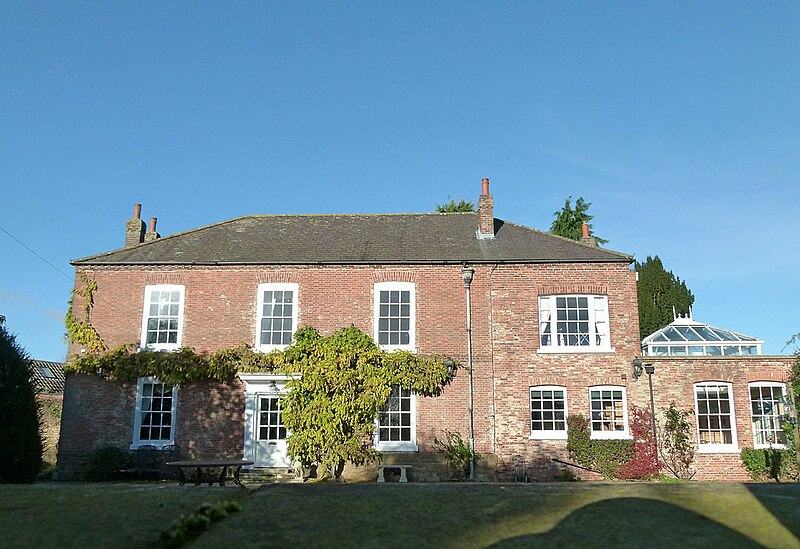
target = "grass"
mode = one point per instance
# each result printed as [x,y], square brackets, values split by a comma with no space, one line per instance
[418,515]
[51,514]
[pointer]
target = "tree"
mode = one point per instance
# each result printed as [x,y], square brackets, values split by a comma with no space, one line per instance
[332,408]
[569,221]
[20,439]
[658,292]
[451,206]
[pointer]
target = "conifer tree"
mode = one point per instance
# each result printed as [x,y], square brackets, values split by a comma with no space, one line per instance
[658,291]
[20,439]
[451,206]
[569,221]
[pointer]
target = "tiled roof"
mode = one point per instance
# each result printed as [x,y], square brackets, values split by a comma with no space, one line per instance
[355,239]
[48,377]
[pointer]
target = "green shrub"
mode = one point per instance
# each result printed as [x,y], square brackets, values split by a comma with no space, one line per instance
[676,442]
[456,453]
[103,464]
[188,527]
[606,457]
[20,438]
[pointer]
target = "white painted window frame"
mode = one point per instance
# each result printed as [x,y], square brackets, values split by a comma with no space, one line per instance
[548,435]
[733,447]
[610,435]
[137,419]
[410,287]
[399,446]
[275,286]
[547,313]
[146,315]
[771,384]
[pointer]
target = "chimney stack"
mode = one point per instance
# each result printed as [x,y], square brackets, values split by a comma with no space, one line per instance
[588,239]
[134,228]
[485,212]
[152,234]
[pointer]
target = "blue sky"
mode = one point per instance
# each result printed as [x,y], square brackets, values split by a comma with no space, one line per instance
[678,122]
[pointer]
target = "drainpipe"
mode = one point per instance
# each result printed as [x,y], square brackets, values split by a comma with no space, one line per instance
[467,274]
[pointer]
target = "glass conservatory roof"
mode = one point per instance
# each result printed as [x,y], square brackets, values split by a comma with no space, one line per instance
[697,333]
[686,336]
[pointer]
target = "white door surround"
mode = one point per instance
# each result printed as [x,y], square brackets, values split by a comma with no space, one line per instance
[265,439]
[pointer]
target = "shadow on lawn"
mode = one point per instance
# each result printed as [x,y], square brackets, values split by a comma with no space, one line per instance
[629,522]
[778,499]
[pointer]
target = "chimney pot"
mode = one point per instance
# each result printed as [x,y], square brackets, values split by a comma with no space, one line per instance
[134,228]
[485,211]
[587,238]
[152,234]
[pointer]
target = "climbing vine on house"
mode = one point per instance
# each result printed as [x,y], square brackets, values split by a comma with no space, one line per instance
[333,403]
[80,330]
[345,378]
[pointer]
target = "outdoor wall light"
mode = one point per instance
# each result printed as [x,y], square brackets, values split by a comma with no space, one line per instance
[637,368]
[451,368]
[650,369]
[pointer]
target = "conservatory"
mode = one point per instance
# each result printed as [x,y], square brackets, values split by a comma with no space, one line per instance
[687,337]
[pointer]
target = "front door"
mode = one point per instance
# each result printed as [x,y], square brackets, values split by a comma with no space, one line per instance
[270,433]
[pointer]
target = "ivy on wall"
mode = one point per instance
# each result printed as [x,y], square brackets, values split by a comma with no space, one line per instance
[80,330]
[333,403]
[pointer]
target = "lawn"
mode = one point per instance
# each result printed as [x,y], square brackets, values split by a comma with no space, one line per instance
[417,515]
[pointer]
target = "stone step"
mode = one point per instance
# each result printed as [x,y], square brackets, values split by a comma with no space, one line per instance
[268,474]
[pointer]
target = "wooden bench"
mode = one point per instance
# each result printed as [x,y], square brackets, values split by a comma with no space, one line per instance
[403,469]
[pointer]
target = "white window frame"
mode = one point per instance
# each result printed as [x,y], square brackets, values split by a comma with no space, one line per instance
[399,445]
[723,448]
[137,420]
[771,384]
[412,328]
[610,435]
[598,318]
[146,316]
[548,435]
[280,287]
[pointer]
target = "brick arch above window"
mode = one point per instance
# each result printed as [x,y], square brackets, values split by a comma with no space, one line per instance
[394,276]
[277,277]
[714,377]
[572,289]
[155,279]
[561,381]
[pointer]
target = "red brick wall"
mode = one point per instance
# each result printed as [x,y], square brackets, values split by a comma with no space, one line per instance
[220,311]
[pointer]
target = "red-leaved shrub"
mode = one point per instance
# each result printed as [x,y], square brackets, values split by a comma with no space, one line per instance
[645,464]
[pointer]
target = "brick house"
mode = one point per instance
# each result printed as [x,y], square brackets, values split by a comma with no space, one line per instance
[554,327]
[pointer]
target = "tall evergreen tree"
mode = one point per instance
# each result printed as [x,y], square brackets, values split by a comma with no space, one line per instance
[659,290]
[451,206]
[20,439]
[569,221]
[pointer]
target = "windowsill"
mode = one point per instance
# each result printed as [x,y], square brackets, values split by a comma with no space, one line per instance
[550,435]
[159,348]
[396,447]
[769,446]
[574,350]
[393,348]
[717,449]
[159,445]
[269,348]
[610,435]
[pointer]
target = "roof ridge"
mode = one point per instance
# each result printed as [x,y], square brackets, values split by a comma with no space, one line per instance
[160,239]
[564,238]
